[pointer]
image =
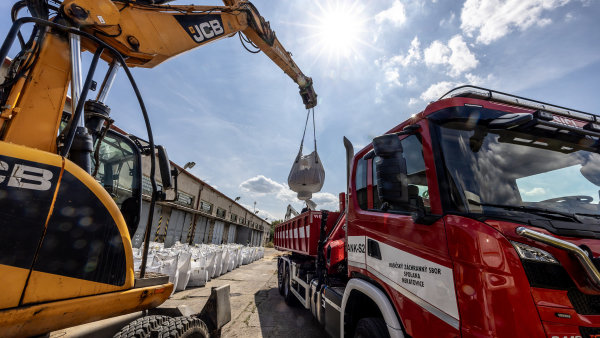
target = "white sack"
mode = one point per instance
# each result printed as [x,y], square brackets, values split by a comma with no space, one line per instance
[307,175]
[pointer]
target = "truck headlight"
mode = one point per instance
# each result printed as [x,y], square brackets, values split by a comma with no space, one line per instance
[531,253]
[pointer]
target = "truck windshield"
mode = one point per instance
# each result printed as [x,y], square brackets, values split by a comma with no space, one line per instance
[491,171]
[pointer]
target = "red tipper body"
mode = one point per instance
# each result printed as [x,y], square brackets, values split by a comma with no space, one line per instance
[478,217]
[301,233]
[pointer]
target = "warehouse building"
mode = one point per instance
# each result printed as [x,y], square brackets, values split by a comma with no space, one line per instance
[199,214]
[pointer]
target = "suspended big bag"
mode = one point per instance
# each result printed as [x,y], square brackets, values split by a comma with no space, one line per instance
[307,175]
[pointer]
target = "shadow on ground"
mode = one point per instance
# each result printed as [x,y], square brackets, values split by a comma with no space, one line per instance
[277,319]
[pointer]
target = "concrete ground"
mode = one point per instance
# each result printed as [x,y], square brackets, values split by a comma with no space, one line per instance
[257,309]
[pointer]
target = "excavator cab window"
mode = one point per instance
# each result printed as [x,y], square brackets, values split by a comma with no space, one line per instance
[119,171]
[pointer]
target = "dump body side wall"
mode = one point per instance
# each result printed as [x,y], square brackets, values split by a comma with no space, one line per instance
[301,234]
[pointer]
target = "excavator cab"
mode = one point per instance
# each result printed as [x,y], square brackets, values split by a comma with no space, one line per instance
[119,170]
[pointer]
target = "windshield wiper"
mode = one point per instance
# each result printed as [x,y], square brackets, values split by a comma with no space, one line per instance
[534,210]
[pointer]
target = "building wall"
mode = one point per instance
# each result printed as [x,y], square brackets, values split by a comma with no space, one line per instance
[201,214]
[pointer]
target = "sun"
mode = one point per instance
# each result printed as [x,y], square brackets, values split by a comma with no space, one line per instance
[338,30]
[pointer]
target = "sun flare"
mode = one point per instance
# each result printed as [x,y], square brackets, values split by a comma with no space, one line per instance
[338,30]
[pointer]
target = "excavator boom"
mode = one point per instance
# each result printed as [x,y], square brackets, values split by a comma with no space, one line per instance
[149,34]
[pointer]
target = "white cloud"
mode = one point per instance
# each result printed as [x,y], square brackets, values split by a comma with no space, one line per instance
[413,101]
[461,59]
[492,19]
[534,192]
[261,186]
[449,21]
[391,66]
[478,80]
[569,17]
[437,53]
[396,15]
[456,55]
[412,57]
[392,76]
[436,90]
[326,200]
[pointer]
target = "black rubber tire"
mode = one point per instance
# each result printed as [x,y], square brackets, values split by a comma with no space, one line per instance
[280,268]
[184,327]
[371,327]
[141,327]
[288,296]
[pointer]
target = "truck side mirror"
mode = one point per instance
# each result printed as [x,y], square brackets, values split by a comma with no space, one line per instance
[165,167]
[390,165]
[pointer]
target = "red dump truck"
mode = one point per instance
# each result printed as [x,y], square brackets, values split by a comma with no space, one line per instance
[478,217]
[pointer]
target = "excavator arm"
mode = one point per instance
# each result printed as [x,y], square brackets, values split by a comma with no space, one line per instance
[148,34]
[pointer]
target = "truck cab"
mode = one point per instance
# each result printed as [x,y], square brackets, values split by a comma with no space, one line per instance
[478,217]
[446,234]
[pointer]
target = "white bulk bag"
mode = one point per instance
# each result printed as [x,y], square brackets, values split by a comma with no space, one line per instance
[210,263]
[230,258]
[168,267]
[183,270]
[307,175]
[239,258]
[199,274]
[218,263]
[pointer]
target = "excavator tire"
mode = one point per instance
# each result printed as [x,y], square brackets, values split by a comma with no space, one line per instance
[141,327]
[184,327]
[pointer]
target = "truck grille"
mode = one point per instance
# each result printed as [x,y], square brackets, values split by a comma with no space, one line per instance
[584,304]
[547,276]
[553,276]
[587,332]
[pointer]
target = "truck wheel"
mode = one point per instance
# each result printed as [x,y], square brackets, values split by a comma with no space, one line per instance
[288,296]
[141,327]
[187,327]
[371,327]
[280,268]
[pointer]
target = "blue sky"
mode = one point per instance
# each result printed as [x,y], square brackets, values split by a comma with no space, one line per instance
[373,64]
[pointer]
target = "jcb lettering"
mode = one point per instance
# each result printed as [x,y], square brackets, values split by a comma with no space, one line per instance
[591,336]
[26,177]
[216,27]
[206,30]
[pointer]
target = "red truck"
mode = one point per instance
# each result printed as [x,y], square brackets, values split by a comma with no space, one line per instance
[478,217]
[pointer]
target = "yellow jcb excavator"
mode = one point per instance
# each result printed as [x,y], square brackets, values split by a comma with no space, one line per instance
[70,186]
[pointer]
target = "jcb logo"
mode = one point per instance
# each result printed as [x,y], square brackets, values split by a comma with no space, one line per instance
[201,27]
[206,30]
[25,177]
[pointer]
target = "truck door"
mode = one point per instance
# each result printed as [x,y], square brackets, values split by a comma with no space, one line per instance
[410,260]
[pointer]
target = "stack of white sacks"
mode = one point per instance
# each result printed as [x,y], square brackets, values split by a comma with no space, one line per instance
[195,265]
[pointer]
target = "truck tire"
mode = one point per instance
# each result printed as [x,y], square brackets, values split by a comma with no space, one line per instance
[184,327]
[141,327]
[280,268]
[288,296]
[371,327]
